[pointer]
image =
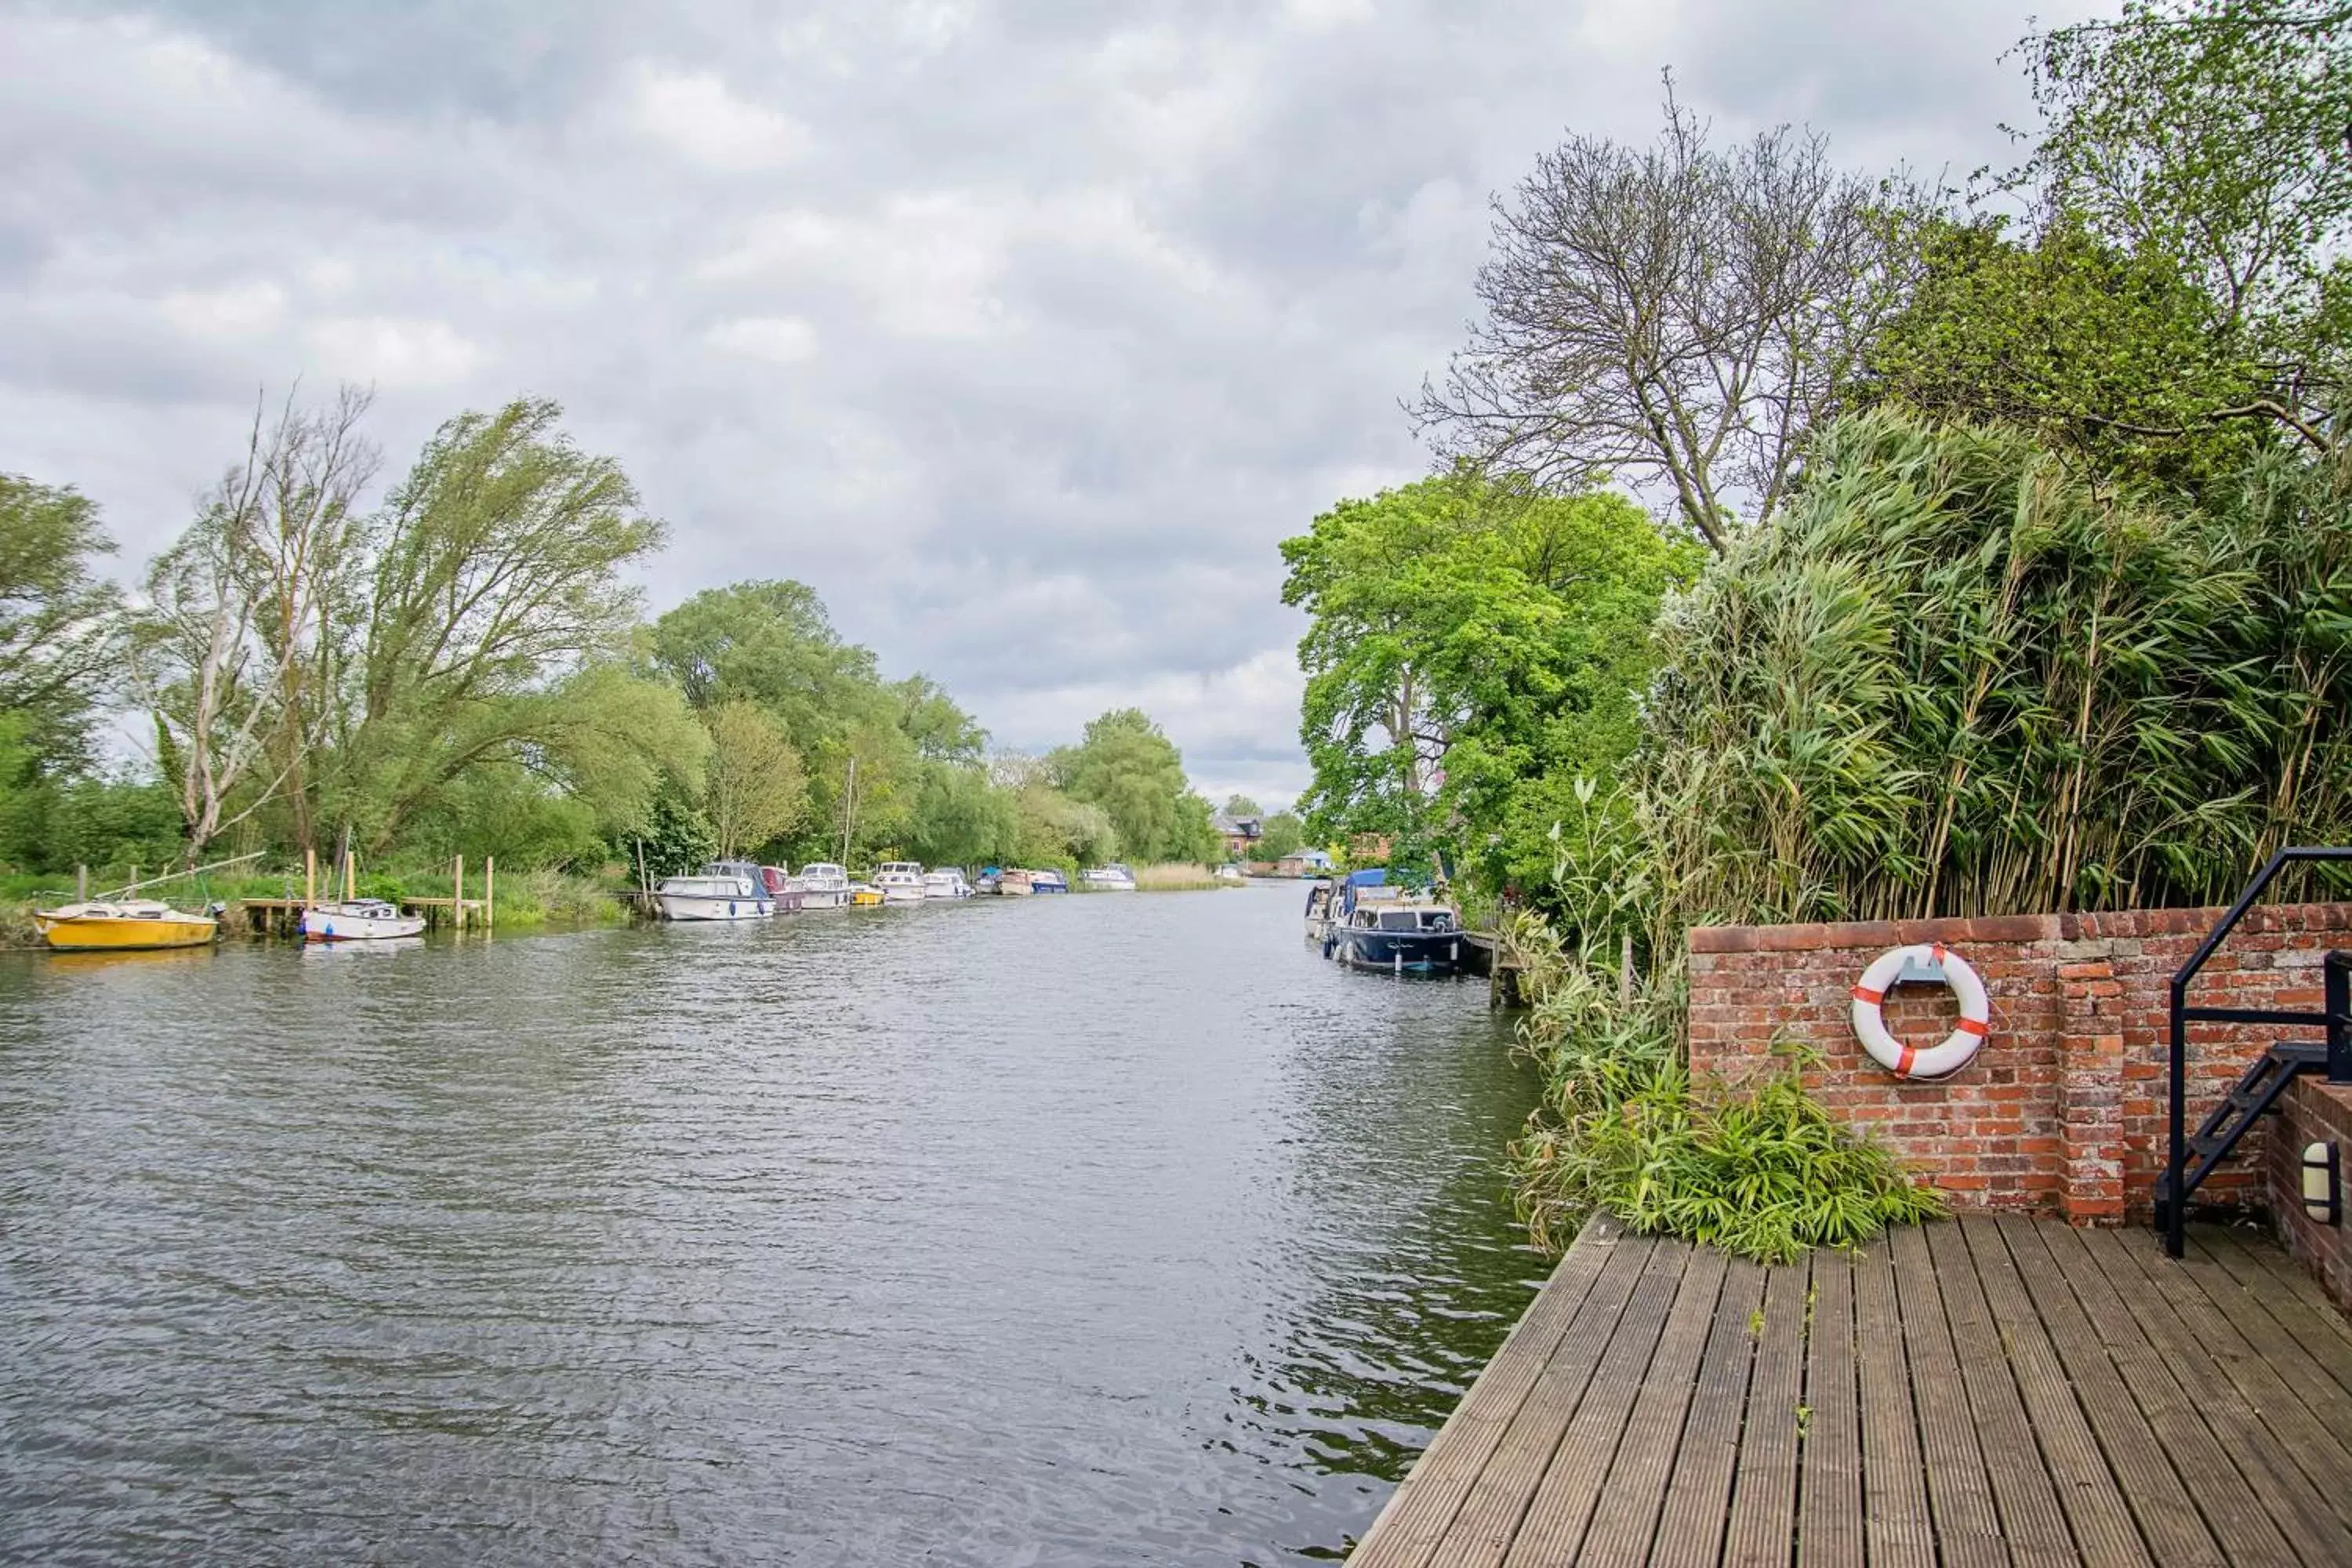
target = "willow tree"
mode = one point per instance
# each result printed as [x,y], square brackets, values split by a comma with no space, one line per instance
[60,646]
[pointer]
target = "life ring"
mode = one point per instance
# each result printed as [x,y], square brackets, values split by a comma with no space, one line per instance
[1925,961]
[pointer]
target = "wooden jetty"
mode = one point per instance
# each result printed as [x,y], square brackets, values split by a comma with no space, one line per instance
[1985,1391]
[282,916]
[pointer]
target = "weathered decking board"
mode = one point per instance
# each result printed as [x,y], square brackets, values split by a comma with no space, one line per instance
[1984,1391]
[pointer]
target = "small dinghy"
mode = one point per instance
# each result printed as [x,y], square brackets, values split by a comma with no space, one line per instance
[362,919]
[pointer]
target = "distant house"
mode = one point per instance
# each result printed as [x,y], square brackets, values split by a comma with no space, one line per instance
[1369,849]
[1240,834]
[1305,863]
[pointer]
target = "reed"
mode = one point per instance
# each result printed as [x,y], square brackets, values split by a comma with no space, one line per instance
[1173,876]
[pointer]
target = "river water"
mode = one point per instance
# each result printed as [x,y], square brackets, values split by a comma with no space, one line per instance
[1084,1230]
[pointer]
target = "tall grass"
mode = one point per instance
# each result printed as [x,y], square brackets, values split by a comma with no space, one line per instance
[1952,677]
[1956,678]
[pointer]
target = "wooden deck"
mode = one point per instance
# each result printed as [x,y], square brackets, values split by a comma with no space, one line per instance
[1980,1392]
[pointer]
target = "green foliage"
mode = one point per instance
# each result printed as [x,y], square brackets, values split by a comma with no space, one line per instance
[58,639]
[754,790]
[1281,835]
[1472,646]
[1758,1169]
[2109,351]
[1135,775]
[1955,679]
[674,839]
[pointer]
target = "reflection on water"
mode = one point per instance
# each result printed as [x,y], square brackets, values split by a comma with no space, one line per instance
[1025,1231]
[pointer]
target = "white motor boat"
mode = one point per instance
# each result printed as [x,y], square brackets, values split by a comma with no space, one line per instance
[364,919]
[1111,878]
[824,886]
[900,881]
[712,898]
[945,884]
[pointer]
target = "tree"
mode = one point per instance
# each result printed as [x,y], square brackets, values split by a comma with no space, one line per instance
[1238,806]
[756,790]
[249,616]
[495,595]
[59,640]
[1468,638]
[2104,351]
[2179,297]
[1134,773]
[1281,837]
[1678,315]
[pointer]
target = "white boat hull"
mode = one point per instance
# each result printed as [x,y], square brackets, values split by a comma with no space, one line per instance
[902,895]
[334,925]
[711,907]
[826,899]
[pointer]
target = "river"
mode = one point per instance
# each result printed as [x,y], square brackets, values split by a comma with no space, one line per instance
[1084,1230]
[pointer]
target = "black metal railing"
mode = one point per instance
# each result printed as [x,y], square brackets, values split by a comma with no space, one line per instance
[2335,1016]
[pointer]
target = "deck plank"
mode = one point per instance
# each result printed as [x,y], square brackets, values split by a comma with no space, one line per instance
[2293,1298]
[2171,1524]
[1565,1499]
[1695,1519]
[1897,1522]
[1548,1352]
[2250,1314]
[2096,1514]
[2321,1449]
[2234,1425]
[2028,1518]
[1968,1532]
[1829,1423]
[1625,1521]
[1993,1391]
[1763,1520]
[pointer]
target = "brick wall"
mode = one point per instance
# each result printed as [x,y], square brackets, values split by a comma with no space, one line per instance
[2313,1111]
[2063,1108]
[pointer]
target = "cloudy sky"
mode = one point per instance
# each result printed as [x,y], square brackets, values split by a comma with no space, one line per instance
[1021,331]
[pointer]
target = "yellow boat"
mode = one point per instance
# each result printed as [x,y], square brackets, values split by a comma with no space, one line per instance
[862,896]
[119,927]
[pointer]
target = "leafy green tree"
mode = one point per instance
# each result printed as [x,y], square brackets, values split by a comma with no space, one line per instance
[59,640]
[1282,835]
[673,835]
[2178,300]
[1240,806]
[1134,773]
[754,790]
[1467,639]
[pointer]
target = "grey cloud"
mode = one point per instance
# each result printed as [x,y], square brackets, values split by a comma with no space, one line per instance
[1024,332]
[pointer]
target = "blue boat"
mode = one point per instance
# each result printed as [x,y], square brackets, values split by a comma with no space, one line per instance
[1048,883]
[1369,924]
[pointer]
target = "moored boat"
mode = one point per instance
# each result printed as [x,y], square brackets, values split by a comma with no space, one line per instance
[107,926]
[783,892]
[864,896]
[713,896]
[824,886]
[947,883]
[1111,878]
[359,920]
[1014,883]
[1319,906]
[1048,883]
[1376,926]
[900,881]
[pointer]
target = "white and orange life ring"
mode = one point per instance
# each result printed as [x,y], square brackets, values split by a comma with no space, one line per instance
[1925,961]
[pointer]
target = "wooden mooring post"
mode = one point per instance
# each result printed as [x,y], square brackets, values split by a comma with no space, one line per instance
[457,892]
[489,892]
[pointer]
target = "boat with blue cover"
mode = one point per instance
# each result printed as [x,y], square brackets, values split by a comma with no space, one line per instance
[1373,923]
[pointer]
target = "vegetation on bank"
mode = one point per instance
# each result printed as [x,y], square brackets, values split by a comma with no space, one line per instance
[462,669]
[2026,585]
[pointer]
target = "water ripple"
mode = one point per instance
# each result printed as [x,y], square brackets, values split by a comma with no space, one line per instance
[1063,1231]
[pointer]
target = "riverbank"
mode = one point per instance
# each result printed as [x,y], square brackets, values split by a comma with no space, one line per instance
[523,900]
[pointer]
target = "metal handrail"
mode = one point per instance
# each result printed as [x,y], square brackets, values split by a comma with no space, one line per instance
[2182,1014]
